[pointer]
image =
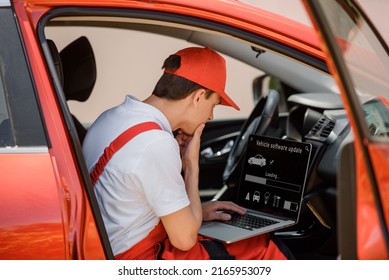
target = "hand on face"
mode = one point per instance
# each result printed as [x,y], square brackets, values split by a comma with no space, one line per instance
[189,146]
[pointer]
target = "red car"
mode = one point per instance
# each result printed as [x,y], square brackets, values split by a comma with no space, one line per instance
[325,82]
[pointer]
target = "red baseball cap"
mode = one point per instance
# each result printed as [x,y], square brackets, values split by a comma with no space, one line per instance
[205,67]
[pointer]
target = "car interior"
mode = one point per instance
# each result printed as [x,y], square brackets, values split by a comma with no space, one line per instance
[76,69]
[294,97]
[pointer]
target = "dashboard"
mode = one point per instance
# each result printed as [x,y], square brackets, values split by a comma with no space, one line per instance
[321,120]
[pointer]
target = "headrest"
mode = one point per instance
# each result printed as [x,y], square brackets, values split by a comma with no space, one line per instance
[56,59]
[79,69]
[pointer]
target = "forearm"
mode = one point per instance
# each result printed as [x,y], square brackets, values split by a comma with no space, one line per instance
[189,218]
[182,226]
[191,177]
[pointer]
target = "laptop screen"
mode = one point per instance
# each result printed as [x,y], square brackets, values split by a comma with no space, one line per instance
[273,175]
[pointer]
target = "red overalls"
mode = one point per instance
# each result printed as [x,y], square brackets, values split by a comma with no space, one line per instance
[157,246]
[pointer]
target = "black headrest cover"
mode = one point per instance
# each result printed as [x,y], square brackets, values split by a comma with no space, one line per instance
[79,69]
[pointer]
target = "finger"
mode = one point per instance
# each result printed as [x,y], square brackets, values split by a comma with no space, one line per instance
[199,130]
[229,205]
[221,216]
[216,215]
[179,140]
[184,137]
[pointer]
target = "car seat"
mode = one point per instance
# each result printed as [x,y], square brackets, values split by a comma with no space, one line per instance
[79,72]
[76,70]
[77,78]
[56,59]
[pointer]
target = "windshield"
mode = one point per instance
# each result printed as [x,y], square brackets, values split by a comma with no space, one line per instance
[366,59]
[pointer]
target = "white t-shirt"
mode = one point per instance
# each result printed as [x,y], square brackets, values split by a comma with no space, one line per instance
[142,181]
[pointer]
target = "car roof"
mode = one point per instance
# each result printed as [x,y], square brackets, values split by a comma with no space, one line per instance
[286,38]
[237,13]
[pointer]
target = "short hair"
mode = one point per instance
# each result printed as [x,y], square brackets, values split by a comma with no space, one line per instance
[174,87]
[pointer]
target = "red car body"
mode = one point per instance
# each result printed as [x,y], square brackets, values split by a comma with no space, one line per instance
[46,208]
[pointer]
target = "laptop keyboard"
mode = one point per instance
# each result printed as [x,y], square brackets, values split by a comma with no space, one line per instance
[248,221]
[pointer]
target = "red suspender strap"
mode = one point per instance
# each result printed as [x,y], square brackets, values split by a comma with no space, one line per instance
[117,144]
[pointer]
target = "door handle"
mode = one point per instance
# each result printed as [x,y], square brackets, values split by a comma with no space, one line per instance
[210,154]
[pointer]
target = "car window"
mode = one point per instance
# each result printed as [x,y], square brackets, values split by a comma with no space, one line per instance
[129,62]
[6,138]
[20,119]
[367,61]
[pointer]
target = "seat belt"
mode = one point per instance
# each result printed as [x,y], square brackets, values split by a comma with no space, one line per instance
[216,250]
[117,144]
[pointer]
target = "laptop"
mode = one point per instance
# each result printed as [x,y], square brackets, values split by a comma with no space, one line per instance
[271,188]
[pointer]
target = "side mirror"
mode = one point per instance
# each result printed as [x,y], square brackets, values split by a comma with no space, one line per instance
[260,87]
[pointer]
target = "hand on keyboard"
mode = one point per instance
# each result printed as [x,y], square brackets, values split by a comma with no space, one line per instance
[247,221]
[214,210]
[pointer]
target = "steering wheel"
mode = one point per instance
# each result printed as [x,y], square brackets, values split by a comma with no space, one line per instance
[261,118]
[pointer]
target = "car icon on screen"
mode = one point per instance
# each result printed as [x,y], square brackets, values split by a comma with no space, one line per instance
[256,196]
[257,160]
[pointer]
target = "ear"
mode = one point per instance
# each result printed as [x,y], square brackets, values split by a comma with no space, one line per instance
[197,95]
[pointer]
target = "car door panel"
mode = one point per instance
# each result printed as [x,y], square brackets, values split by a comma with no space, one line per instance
[40,174]
[354,76]
[216,142]
[31,220]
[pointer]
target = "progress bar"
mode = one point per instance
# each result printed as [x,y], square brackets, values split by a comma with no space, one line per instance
[273,183]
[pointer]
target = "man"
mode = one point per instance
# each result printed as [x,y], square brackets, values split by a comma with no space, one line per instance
[147,189]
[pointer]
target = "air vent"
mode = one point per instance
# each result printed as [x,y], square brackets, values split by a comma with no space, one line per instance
[329,126]
[322,129]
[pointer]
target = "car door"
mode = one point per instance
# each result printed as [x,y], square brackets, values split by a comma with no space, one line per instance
[44,209]
[31,216]
[358,58]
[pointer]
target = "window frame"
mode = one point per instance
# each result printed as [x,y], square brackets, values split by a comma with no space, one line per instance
[23,107]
